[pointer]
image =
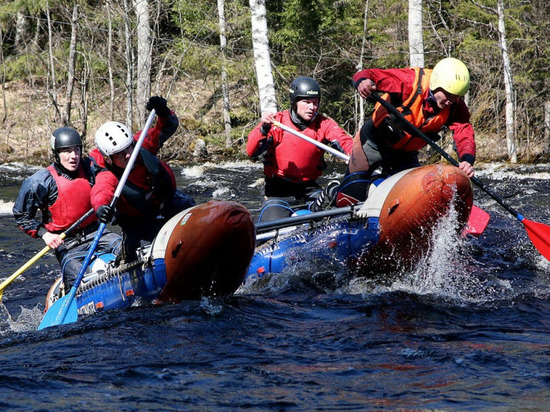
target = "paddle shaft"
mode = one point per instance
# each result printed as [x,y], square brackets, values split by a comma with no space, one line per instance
[33,260]
[323,146]
[346,158]
[412,129]
[291,221]
[67,300]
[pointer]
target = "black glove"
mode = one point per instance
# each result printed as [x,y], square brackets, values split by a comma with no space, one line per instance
[265,128]
[159,104]
[105,213]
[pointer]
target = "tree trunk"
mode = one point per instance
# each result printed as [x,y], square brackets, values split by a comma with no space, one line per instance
[508,85]
[110,61]
[143,86]
[260,42]
[21,30]
[225,88]
[416,41]
[129,66]
[547,127]
[53,90]
[3,75]
[360,111]
[71,69]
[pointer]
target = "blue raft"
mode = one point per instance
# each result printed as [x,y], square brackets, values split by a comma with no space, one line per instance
[390,229]
[202,251]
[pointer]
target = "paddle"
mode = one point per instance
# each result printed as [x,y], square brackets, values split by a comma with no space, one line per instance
[33,260]
[65,309]
[477,221]
[323,146]
[538,233]
[293,220]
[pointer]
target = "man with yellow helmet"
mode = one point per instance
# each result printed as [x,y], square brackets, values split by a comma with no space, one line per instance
[430,99]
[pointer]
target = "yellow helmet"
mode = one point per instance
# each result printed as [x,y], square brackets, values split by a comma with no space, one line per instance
[451,75]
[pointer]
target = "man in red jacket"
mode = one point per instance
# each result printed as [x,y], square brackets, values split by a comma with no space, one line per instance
[293,165]
[149,197]
[430,99]
[61,193]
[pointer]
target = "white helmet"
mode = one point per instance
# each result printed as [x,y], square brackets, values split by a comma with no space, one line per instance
[113,137]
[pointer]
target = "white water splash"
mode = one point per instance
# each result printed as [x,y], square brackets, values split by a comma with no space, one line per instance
[445,270]
[5,207]
[28,320]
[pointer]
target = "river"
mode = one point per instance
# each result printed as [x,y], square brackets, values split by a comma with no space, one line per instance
[468,329]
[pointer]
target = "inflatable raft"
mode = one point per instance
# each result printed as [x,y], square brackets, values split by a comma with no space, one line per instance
[389,230]
[203,251]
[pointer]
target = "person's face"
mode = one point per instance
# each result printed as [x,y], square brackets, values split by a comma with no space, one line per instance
[307,108]
[444,99]
[120,159]
[69,157]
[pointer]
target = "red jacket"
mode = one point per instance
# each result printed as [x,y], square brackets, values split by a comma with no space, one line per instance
[73,201]
[292,158]
[399,84]
[150,183]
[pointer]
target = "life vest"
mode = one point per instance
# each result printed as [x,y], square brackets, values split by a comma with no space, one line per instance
[149,185]
[73,201]
[412,110]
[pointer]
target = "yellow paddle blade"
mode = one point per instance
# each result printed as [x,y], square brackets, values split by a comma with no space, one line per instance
[22,269]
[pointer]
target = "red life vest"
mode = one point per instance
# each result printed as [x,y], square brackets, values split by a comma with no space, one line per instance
[73,201]
[412,110]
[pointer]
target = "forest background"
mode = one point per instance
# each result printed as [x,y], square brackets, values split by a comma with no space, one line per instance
[81,63]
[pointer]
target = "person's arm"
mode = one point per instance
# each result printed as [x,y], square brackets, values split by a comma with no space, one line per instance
[464,137]
[165,126]
[393,81]
[37,192]
[104,189]
[338,137]
[258,138]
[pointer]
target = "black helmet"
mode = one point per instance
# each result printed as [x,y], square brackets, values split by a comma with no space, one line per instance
[304,87]
[65,137]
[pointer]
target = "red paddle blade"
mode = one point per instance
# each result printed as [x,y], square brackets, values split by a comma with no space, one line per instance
[540,236]
[477,222]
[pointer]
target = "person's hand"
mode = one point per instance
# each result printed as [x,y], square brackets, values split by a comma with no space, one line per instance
[105,213]
[159,104]
[466,168]
[267,120]
[52,240]
[366,87]
[268,117]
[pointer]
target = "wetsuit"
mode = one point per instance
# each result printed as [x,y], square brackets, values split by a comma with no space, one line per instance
[383,143]
[293,165]
[62,198]
[149,197]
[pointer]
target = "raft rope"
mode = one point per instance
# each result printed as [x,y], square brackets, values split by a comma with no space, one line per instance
[112,272]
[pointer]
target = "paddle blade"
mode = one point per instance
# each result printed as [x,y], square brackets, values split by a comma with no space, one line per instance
[539,234]
[62,312]
[477,222]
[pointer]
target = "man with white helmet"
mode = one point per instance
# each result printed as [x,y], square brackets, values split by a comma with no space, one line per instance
[149,197]
[61,192]
[430,99]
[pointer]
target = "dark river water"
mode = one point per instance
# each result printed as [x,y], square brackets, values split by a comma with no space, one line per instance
[468,329]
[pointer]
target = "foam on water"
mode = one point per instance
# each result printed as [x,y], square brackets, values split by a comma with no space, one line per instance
[5,207]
